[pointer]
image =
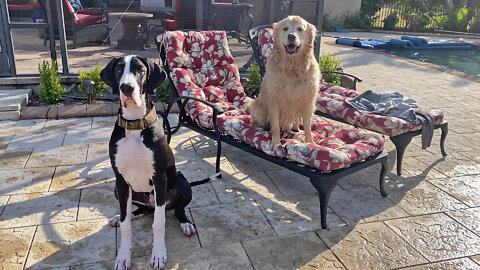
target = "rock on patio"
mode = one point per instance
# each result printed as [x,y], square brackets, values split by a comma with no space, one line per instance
[56,195]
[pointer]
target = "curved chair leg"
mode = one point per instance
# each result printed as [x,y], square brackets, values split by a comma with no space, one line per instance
[219,153]
[219,148]
[324,188]
[383,172]
[401,142]
[443,137]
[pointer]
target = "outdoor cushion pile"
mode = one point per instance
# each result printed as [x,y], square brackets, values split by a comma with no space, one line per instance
[201,66]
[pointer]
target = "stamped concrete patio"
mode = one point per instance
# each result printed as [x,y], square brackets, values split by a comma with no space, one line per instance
[56,188]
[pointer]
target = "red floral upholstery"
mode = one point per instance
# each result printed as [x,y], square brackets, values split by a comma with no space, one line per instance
[202,66]
[335,105]
[331,100]
[265,43]
[328,88]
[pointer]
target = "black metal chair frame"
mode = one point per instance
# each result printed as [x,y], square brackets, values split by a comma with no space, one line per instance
[400,141]
[323,182]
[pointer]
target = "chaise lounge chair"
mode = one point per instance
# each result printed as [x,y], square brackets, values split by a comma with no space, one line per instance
[205,84]
[331,103]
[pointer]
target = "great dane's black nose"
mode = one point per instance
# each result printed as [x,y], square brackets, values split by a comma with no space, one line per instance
[291,37]
[127,90]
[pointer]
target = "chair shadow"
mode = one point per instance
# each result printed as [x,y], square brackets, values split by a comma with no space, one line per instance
[393,184]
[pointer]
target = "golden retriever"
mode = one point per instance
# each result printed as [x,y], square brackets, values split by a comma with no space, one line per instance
[292,78]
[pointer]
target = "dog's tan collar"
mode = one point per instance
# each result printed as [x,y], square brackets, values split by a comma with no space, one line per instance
[138,124]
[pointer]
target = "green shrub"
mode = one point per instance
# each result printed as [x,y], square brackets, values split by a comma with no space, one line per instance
[463,19]
[93,75]
[391,21]
[360,20]
[419,21]
[330,63]
[328,24]
[254,77]
[440,21]
[371,7]
[423,21]
[474,25]
[51,88]
[163,91]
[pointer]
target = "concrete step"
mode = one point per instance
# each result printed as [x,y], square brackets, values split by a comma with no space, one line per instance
[11,102]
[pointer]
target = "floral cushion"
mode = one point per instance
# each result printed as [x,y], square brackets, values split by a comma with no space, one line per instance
[331,100]
[193,49]
[335,105]
[328,88]
[265,43]
[333,148]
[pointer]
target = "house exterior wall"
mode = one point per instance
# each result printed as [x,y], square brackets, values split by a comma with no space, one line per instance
[332,8]
[336,9]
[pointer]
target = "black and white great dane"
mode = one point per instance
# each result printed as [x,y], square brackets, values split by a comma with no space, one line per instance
[141,158]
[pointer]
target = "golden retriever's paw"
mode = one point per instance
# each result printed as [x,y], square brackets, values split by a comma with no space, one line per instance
[276,141]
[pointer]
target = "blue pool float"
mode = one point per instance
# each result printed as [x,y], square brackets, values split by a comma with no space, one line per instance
[374,44]
[443,47]
[346,41]
[398,43]
[377,44]
[365,44]
[443,44]
[417,41]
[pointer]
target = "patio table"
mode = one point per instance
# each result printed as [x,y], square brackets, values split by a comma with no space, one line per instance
[135,35]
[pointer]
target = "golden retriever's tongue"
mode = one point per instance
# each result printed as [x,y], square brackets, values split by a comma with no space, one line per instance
[291,48]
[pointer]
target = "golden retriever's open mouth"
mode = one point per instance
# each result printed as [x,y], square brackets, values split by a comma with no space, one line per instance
[292,49]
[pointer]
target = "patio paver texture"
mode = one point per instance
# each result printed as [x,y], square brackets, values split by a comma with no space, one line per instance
[57,193]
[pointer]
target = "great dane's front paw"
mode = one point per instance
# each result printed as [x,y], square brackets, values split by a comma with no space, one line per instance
[188,228]
[159,257]
[123,260]
[114,221]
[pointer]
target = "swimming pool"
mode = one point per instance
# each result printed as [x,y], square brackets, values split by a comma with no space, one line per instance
[462,60]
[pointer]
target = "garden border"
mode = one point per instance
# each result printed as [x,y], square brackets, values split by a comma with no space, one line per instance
[78,110]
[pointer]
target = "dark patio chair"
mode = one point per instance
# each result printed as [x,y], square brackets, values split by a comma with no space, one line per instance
[184,16]
[22,8]
[206,86]
[158,8]
[231,17]
[86,25]
[331,103]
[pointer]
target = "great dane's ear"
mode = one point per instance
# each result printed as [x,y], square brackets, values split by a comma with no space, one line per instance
[108,75]
[155,76]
